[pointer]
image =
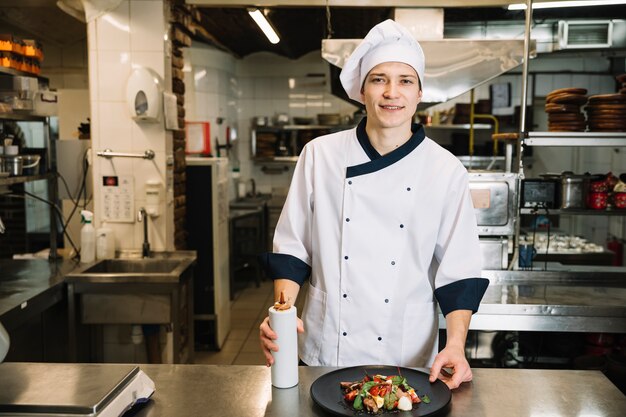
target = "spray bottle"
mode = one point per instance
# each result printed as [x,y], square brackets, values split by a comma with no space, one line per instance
[87,238]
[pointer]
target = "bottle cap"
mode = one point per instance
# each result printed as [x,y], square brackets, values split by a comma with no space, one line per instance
[87,216]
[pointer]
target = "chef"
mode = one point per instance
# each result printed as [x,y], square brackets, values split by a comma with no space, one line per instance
[379,217]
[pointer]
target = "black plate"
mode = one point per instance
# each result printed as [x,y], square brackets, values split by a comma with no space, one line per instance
[326,392]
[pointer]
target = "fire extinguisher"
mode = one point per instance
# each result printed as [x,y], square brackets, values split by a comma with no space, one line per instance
[617,247]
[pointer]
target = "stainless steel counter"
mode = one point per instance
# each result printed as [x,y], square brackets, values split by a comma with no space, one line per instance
[576,299]
[566,298]
[28,287]
[196,390]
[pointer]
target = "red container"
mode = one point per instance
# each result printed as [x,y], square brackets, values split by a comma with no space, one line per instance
[597,201]
[619,200]
[600,186]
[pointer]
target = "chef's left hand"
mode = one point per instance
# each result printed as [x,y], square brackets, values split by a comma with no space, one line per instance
[451,358]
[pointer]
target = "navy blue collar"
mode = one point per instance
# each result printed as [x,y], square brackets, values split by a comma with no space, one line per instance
[378,161]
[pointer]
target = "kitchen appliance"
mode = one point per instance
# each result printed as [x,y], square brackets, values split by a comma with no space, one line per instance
[35,389]
[493,196]
[208,228]
[573,191]
[540,192]
[495,252]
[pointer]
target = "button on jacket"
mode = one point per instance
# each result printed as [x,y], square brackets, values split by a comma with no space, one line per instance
[383,238]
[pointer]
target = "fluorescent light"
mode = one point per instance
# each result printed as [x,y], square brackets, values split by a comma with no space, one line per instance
[572,3]
[265,26]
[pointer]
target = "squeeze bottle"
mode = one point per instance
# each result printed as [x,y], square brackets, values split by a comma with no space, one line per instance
[105,243]
[87,238]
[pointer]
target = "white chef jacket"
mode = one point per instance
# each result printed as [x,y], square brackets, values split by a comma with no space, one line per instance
[379,235]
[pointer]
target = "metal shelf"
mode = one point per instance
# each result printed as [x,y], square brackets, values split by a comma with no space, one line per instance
[573,139]
[574,212]
[302,127]
[22,117]
[465,126]
[276,159]
[11,71]
[24,178]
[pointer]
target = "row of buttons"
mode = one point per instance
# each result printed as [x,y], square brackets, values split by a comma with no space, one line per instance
[392,263]
[379,338]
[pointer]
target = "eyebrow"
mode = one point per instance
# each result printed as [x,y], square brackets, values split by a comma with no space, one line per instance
[382,74]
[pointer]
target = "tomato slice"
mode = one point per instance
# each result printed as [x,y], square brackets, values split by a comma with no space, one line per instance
[351,395]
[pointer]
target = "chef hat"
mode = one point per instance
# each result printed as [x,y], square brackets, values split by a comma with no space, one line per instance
[388,41]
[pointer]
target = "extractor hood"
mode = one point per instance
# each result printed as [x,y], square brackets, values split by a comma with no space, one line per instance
[453,66]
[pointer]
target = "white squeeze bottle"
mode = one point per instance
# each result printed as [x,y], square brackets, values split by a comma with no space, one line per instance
[87,238]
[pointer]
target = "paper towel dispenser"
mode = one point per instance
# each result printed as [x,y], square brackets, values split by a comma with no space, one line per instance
[144,92]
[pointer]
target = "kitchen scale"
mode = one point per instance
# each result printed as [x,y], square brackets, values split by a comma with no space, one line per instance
[50,389]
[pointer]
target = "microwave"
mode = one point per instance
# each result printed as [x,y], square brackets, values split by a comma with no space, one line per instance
[540,192]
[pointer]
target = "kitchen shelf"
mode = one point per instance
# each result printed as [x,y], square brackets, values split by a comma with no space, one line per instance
[573,139]
[276,159]
[24,178]
[465,126]
[302,127]
[23,117]
[574,212]
[11,71]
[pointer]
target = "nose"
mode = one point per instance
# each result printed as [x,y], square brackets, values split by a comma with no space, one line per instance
[391,90]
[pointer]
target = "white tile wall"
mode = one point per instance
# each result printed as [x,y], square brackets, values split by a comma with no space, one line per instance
[147,26]
[131,35]
[113,69]
[113,29]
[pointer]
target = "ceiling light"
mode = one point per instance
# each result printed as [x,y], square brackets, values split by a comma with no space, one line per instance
[573,3]
[265,26]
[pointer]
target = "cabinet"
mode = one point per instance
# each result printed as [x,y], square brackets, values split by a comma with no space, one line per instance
[7,182]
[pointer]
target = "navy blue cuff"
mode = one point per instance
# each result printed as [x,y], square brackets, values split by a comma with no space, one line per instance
[280,265]
[461,295]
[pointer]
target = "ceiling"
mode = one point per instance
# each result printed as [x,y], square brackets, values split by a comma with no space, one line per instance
[42,20]
[301,28]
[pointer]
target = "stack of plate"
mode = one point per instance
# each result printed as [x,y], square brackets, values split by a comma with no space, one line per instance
[607,113]
[563,108]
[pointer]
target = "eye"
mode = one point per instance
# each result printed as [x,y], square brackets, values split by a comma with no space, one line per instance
[377,80]
[407,81]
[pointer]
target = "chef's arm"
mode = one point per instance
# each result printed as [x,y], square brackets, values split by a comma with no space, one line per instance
[291,289]
[452,356]
[457,325]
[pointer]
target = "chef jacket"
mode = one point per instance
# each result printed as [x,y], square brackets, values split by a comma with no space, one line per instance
[382,238]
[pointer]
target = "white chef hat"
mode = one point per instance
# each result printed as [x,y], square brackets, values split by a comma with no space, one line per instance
[388,41]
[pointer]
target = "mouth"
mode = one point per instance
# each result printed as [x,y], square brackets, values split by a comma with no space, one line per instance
[388,107]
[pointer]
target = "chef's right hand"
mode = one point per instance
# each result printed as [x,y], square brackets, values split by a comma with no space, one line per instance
[267,337]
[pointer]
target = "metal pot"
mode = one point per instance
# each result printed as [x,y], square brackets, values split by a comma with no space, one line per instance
[573,191]
[14,165]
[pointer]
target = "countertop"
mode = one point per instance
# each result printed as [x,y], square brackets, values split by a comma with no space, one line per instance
[578,300]
[230,390]
[30,284]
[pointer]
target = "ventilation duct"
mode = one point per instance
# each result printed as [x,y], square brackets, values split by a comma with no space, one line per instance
[453,66]
[585,34]
[87,10]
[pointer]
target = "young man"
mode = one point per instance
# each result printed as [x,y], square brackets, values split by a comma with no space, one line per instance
[381,219]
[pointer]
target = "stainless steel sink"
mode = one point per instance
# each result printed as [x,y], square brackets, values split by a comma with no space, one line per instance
[130,267]
[256,200]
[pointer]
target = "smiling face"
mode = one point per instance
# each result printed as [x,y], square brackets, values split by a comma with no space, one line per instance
[391,92]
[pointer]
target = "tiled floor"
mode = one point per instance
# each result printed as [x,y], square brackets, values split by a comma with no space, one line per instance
[249,308]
